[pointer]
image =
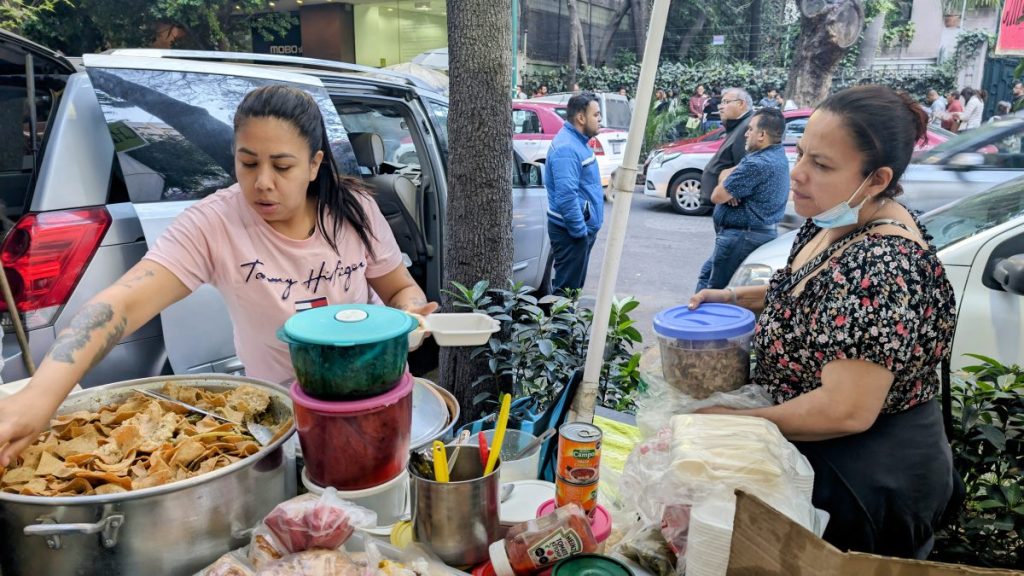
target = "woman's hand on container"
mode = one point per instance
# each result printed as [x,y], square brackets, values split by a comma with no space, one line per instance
[22,417]
[710,295]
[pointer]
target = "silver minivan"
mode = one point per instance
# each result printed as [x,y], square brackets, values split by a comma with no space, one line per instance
[103,157]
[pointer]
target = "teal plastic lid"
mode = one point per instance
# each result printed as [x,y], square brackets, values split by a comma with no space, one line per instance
[591,565]
[348,325]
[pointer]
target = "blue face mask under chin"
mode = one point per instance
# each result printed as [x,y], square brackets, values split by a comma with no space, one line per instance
[841,214]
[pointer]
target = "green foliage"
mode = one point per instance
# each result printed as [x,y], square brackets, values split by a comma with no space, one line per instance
[542,342]
[988,451]
[81,26]
[873,8]
[968,43]
[901,35]
[16,15]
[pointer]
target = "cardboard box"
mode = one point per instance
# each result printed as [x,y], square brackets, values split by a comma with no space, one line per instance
[766,542]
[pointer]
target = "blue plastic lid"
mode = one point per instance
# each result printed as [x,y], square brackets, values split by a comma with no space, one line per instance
[707,322]
[348,325]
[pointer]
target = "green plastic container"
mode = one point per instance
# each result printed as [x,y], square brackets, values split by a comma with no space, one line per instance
[591,565]
[349,351]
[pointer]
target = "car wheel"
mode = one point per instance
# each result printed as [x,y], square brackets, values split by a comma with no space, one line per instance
[684,194]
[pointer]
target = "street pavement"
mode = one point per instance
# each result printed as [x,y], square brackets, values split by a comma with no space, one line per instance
[661,258]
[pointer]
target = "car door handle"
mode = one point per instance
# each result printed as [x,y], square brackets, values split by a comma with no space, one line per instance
[229,366]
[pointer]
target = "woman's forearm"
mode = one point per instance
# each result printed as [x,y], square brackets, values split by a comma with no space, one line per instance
[811,417]
[751,297]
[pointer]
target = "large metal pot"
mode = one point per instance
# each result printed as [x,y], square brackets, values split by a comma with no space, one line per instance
[176,528]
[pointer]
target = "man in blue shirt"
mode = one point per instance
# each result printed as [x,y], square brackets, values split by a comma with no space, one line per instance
[750,199]
[575,198]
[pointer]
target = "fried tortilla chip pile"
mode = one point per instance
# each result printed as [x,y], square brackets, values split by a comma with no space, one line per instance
[137,444]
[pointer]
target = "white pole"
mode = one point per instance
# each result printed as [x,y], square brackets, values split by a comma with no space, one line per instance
[623,184]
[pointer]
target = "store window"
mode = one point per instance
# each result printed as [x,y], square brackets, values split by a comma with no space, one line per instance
[393,32]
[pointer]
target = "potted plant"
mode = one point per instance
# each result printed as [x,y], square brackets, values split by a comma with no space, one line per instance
[951,13]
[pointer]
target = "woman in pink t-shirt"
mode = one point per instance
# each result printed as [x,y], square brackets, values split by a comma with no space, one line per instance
[290,233]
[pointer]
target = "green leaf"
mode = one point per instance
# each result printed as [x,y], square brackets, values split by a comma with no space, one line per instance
[628,306]
[990,504]
[994,435]
[546,347]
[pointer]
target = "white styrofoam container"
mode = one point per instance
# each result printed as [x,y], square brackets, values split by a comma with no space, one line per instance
[461,329]
[389,500]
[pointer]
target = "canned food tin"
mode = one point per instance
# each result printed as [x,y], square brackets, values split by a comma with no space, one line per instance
[567,492]
[579,452]
[591,565]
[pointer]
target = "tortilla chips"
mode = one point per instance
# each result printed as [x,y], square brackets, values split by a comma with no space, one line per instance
[139,443]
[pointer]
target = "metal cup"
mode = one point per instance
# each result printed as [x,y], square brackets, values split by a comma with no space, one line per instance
[458,519]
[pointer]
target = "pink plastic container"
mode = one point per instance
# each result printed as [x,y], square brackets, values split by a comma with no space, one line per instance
[600,522]
[356,444]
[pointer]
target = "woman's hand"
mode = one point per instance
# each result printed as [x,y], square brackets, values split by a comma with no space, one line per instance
[22,417]
[710,295]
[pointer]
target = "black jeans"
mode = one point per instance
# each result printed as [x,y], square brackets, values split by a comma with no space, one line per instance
[571,256]
[732,246]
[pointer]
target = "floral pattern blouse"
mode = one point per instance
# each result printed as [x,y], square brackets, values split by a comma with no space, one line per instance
[883,299]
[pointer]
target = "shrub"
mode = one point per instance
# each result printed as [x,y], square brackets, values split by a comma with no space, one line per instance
[988,451]
[542,342]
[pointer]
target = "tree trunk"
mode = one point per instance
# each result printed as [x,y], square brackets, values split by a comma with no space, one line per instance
[872,39]
[754,46]
[575,31]
[524,15]
[583,43]
[640,21]
[691,34]
[827,30]
[479,179]
[601,58]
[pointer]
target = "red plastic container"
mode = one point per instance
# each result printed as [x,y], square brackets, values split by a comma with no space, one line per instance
[358,444]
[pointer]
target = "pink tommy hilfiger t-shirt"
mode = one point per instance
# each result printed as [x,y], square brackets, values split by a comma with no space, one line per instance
[264,276]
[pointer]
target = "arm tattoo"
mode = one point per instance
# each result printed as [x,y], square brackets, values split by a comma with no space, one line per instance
[93,317]
[134,281]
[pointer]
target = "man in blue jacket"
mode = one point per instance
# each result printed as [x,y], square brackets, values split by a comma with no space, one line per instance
[575,199]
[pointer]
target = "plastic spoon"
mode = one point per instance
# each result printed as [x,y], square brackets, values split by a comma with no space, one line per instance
[440,462]
[499,434]
[462,439]
[485,452]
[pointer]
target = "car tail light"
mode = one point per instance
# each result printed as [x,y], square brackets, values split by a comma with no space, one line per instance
[45,256]
[595,145]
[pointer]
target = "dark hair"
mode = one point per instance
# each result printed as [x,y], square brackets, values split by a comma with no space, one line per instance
[955,93]
[968,93]
[335,194]
[578,104]
[771,122]
[884,124]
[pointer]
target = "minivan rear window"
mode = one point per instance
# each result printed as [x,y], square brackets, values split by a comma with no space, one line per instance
[616,113]
[173,131]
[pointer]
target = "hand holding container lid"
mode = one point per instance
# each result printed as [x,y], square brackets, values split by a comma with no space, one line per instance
[349,351]
[705,350]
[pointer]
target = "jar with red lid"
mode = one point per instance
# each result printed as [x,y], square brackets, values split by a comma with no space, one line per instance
[356,444]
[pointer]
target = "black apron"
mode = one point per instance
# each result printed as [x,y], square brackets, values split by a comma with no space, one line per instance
[886,489]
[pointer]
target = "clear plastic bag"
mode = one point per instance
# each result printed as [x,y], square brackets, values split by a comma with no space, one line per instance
[310,521]
[679,486]
[233,563]
[661,401]
[318,562]
[264,547]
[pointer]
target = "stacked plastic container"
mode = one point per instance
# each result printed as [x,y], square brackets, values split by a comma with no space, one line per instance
[353,401]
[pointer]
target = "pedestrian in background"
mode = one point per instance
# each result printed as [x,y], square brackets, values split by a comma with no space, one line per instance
[697,102]
[575,197]
[712,116]
[520,93]
[970,118]
[1018,97]
[1003,109]
[749,199]
[660,101]
[771,100]
[542,90]
[951,121]
[936,107]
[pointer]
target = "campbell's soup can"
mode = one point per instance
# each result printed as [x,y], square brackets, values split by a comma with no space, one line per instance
[579,452]
[585,495]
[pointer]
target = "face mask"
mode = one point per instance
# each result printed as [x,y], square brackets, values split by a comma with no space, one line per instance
[841,214]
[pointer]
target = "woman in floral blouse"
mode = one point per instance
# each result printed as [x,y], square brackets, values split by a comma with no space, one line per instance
[852,331]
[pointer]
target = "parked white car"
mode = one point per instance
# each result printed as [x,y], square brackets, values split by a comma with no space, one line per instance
[980,240]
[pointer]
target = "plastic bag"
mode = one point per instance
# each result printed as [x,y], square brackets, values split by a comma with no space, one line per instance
[264,547]
[318,562]
[311,521]
[231,564]
[661,401]
[680,484]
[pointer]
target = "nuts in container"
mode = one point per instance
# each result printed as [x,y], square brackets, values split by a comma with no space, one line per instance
[706,350]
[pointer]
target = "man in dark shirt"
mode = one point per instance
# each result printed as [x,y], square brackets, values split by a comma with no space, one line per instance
[750,199]
[735,109]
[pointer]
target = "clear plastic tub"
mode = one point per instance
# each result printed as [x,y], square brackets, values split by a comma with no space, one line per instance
[355,445]
[706,350]
[390,500]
